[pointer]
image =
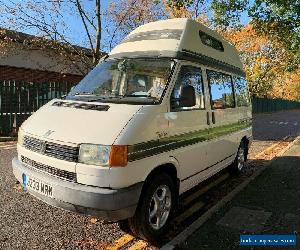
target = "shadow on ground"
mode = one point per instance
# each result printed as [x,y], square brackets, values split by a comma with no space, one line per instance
[268,205]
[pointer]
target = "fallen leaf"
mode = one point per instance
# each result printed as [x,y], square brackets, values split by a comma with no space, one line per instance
[93,220]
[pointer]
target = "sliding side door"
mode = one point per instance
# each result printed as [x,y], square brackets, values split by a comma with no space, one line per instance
[224,118]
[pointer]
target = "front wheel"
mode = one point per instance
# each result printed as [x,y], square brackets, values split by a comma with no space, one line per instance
[155,208]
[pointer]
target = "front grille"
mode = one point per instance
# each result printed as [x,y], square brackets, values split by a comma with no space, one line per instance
[62,174]
[33,144]
[55,150]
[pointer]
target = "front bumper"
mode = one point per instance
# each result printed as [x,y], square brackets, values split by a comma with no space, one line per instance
[104,203]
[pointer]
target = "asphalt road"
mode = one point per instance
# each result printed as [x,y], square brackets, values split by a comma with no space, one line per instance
[27,223]
[269,128]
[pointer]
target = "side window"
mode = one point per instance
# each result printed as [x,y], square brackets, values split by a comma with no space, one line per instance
[241,92]
[188,76]
[221,90]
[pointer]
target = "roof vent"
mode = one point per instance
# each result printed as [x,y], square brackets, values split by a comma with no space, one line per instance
[211,41]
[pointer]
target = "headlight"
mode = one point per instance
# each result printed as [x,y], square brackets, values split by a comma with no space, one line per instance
[20,137]
[114,156]
[94,154]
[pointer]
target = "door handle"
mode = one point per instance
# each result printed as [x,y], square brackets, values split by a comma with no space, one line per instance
[207,118]
[213,118]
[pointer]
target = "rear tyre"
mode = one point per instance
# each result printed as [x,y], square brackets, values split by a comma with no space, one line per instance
[155,207]
[240,159]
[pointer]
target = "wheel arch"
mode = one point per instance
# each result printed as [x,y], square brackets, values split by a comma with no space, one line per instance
[170,168]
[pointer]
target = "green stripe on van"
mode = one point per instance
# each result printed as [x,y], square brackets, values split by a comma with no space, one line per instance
[145,149]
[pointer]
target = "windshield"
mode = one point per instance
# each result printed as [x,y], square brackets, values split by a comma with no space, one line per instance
[135,81]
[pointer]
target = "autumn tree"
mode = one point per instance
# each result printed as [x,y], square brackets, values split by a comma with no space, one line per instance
[180,9]
[278,19]
[288,87]
[125,15]
[264,60]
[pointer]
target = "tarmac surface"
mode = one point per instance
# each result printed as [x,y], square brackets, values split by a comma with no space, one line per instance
[27,223]
[268,205]
[272,127]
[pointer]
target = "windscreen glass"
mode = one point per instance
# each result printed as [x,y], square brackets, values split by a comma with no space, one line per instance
[134,81]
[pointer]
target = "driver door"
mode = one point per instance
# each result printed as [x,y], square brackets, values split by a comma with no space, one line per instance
[188,126]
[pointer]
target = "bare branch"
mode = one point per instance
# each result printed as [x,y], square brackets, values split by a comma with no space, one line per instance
[79,8]
[98,32]
[197,8]
[120,22]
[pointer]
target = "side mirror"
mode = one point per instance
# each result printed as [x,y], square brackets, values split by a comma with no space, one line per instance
[187,96]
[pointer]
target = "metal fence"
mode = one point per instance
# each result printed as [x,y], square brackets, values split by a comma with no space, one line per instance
[264,105]
[18,100]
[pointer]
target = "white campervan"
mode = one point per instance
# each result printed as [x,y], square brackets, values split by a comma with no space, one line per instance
[166,109]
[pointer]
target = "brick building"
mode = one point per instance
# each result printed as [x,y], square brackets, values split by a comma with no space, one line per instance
[20,61]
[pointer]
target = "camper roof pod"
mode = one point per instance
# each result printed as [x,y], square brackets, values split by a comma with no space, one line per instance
[180,38]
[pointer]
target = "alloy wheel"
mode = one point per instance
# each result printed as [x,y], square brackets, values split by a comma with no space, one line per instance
[160,207]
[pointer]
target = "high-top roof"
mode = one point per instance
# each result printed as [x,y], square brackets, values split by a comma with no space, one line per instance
[180,38]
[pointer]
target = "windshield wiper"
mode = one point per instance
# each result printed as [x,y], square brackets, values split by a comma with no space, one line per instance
[104,98]
[83,93]
[137,96]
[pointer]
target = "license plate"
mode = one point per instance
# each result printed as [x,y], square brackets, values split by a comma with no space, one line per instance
[37,185]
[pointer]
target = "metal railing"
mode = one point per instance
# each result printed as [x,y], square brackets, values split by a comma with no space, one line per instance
[265,105]
[18,100]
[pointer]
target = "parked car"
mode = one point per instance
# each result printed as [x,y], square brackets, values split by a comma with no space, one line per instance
[166,109]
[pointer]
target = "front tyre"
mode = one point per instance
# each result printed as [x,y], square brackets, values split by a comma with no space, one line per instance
[155,208]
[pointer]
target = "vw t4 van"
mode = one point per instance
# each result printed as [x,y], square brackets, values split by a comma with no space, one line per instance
[165,110]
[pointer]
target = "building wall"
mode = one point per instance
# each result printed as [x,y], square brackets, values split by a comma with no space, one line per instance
[40,59]
[33,75]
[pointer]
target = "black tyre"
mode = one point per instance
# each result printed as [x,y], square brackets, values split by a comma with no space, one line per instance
[155,207]
[241,157]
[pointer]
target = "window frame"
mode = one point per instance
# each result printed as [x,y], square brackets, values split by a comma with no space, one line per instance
[200,69]
[209,88]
